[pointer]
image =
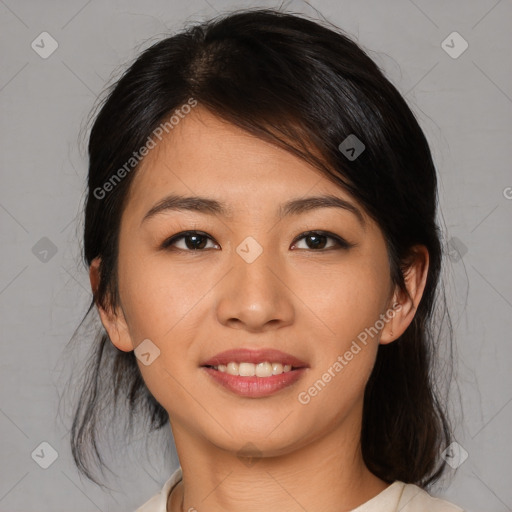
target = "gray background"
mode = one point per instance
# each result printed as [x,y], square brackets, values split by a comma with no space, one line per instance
[464,105]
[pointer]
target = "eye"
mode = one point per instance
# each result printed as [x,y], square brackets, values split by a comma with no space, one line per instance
[313,240]
[321,240]
[190,241]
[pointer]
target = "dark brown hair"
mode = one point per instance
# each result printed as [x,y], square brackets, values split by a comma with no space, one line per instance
[304,86]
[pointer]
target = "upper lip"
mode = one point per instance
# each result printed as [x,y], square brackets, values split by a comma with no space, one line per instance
[245,355]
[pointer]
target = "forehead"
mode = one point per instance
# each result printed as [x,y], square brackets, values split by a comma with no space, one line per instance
[206,155]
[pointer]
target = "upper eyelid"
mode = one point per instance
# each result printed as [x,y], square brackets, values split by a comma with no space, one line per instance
[178,236]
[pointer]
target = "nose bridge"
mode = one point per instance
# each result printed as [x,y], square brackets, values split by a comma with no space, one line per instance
[252,296]
[253,274]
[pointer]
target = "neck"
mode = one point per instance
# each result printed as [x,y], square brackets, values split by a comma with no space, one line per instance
[327,474]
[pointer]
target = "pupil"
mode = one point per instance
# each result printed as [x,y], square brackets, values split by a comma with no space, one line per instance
[318,241]
[195,242]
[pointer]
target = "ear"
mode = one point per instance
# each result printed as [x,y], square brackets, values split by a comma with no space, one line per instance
[404,304]
[114,322]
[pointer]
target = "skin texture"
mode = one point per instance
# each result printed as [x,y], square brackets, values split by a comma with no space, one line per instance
[309,302]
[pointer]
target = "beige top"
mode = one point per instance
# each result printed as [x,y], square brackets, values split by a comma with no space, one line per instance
[399,496]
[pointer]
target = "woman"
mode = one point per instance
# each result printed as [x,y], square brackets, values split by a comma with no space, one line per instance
[261,236]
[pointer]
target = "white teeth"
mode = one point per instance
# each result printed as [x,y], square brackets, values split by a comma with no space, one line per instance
[265,369]
[232,369]
[277,368]
[247,369]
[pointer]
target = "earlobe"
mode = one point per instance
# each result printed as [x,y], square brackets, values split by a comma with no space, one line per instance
[405,303]
[112,320]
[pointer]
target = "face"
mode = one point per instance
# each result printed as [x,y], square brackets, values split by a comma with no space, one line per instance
[247,272]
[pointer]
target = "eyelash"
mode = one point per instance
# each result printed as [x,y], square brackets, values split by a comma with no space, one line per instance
[340,243]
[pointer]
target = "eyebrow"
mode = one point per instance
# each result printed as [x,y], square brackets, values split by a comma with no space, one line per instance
[213,207]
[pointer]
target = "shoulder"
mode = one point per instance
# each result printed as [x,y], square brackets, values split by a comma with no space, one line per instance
[415,499]
[158,503]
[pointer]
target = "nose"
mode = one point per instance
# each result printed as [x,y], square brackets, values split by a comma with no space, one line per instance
[254,296]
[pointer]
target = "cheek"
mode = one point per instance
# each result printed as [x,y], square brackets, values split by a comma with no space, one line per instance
[162,304]
[347,299]
[158,298]
[349,307]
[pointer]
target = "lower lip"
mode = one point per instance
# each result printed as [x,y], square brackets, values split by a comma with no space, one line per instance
[255,387]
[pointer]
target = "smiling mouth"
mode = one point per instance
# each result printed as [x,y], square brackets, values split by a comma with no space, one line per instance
[263,369]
